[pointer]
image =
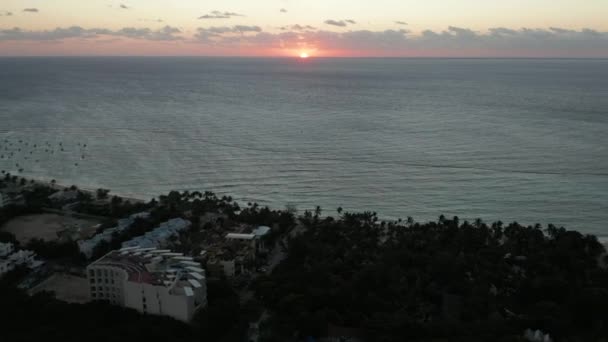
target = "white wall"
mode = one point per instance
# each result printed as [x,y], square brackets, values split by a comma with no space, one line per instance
[6,248]
[158,301]
[229,267]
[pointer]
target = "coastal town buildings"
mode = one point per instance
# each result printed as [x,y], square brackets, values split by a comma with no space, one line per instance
[260,235]
[9,258]
[6,248]
[222,263]
[236,254]
[86,247]
[159,237]
[8,198]
[149,280]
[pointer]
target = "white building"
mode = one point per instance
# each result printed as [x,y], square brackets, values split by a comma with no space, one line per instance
[149,280]
[22,257]
[256,238]
[159,237]
[217,265]
[260,234]
[236,236]
[6,248]
[86,246]
[5,199]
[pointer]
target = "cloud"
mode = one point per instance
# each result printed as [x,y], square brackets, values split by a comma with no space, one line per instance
[244,28]
[123,6]
[400,22]
[150,20]
[340,23]
[298,27]
[166,33]
[452,41]
[220,15]
[31,10]
[282,10]
[217,34]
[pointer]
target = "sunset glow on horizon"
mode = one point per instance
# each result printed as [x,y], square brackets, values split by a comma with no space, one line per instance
[330,28]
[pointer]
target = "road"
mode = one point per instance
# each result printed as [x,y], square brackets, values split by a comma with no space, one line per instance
[277,255]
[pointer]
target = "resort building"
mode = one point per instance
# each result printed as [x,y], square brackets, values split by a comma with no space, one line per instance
[235,255]
[159,237]
[222,265]
[11,259]
[260,235]
[6,248]
[7,199]
[149,280]
[86,246]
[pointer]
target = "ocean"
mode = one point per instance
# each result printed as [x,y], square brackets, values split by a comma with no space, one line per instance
[499,139]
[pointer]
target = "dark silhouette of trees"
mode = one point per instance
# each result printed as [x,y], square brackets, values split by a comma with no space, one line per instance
[445,280]
[102,193]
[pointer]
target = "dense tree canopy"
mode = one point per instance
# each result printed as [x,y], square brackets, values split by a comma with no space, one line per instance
[41,317]
[402,281]
[441,280]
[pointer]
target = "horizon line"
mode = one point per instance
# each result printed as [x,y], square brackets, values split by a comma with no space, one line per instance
[298,58]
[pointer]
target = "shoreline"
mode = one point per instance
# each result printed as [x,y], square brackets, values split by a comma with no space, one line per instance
[90,190]
[603,239]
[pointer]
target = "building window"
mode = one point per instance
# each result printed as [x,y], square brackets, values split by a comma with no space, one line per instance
[92,288]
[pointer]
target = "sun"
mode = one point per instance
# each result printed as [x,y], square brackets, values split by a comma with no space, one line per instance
[303,55]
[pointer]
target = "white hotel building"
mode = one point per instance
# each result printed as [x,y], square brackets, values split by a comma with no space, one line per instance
[9,259]
[149,280]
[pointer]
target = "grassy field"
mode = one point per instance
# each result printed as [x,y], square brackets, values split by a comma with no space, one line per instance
[67,288]
[46,226]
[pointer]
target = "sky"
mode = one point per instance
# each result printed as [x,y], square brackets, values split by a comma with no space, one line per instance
[319,28]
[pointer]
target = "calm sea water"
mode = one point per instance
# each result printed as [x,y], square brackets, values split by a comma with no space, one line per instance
[521,140]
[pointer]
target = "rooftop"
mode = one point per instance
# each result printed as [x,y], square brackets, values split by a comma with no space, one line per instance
[153,266]
[261,230]
[240,236]
[156,237]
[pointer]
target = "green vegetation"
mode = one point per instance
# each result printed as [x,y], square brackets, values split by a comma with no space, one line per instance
[440,281]
[40,317]
[383,281]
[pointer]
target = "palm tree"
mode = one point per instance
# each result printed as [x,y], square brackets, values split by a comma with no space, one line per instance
[410,221]
[318,211]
